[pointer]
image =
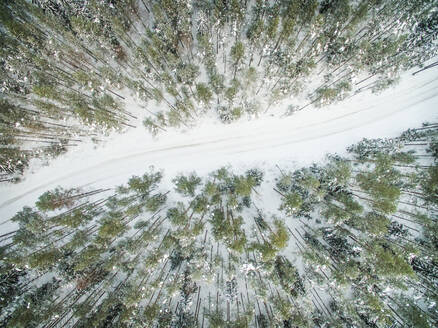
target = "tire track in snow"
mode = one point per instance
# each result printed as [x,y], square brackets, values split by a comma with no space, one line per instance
[336,132]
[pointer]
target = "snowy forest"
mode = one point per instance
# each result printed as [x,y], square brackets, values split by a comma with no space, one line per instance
[349,241]
[353,244]
[71,69]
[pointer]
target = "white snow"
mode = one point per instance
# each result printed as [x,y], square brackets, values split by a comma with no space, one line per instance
[297,140]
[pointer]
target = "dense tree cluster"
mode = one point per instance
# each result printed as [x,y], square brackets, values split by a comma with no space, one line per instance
[67,66]
[370,220]
[353,244]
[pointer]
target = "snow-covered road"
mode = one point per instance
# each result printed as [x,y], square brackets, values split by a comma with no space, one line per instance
[302,138]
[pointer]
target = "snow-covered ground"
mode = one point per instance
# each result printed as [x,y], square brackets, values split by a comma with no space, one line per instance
[288,141]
